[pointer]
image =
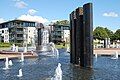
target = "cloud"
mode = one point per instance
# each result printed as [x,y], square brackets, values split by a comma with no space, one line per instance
[20,4]
[32,11]
[33,18]
[2,20]
[54,21]
[16,0]
[110,14]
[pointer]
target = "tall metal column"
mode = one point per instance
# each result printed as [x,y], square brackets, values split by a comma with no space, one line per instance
[81,27]
[88,34]
[79,30]
[39,37]
[73,38]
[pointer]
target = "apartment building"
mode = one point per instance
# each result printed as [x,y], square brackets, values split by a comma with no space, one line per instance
[4,35]
[42,34]
[18,31]
[60,33]
[45,36]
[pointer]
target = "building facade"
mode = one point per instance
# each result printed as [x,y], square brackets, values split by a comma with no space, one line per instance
[4,35]
[19,31]
[45,36]
[60,33]
[42,36]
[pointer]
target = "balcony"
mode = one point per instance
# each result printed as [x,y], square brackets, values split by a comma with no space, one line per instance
[19,38]
[57,39]
[19,32]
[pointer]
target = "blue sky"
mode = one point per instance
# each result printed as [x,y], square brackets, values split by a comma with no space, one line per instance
[105,13]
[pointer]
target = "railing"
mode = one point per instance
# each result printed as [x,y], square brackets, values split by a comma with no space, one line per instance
[19,38]
[19,32]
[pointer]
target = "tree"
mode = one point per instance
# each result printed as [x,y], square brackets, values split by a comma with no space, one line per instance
[62,22]
[117,35]
[110,33]
[100,33]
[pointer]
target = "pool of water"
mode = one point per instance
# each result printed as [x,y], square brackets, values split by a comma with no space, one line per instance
[43,68]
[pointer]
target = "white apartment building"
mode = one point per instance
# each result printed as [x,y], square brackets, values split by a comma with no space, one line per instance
[98,43]
[31,34]
[66,35]
[45,36]
[18,32]
[4,35]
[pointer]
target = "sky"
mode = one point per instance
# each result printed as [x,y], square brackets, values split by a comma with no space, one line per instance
[105,13]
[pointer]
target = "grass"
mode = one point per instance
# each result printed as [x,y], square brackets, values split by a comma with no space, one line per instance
[5,44]
[61,46]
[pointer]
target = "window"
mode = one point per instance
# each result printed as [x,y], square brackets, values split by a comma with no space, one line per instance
[2,31]
[22,24]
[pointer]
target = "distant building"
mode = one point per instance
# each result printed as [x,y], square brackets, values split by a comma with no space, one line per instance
[45,36]
[98,43]
[18,31]
[42,34]
[116,44]
[60,33]
[4,35]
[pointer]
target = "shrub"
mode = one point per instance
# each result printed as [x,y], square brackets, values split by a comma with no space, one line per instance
[5,44]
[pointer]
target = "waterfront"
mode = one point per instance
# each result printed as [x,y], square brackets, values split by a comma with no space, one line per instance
[43,68]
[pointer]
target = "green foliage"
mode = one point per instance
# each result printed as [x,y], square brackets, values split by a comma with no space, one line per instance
[5,44]
[109,32]
[62,22]
[100,33]
[117,35]
[59,46]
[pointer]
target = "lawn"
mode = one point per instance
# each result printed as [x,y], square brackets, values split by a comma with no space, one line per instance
[61,46]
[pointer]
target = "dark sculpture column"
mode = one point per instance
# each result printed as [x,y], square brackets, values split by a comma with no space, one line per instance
[73,38]
[39,36]
[39,28]
[79,35]
[88,34]
[81,27]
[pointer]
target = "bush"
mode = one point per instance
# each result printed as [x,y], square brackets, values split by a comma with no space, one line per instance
[5,44]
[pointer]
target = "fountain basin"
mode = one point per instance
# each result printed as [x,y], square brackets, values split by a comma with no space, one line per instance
[43,68]
[11,54]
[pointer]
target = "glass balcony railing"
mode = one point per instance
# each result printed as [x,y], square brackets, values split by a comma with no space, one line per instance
[19,32]
[19,38]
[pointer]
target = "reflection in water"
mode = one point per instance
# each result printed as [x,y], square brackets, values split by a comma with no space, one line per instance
[78,73]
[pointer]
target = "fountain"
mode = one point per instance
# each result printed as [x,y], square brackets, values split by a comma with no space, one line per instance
[22,57]
[13,47]
[6,64]
[25,49]
[20,73]
[32,51]
[49,50]
[16,49]
[44,48]
[68,49]
[10,62]
[56,52]
[115,56]
[54,49]
[96,55]
[58,73]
